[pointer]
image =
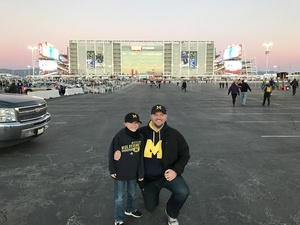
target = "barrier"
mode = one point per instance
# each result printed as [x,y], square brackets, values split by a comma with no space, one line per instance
[73,91]
[44,94]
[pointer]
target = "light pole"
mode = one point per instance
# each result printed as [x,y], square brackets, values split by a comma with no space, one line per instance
[267,52]
[28,67]
[275,67]
[33,55]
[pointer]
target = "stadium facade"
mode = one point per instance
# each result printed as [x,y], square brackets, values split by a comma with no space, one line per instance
[136,57]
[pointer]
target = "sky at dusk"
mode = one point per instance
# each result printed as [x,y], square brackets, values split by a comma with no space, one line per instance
[250,23]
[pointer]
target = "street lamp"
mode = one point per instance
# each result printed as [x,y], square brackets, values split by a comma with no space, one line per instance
[33,55]
[28,67]
[275,67]
[267,52]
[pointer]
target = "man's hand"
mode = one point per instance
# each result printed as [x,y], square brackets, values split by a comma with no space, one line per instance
[117,155]
[170,174]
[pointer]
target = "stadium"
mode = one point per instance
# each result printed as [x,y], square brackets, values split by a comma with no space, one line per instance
[168,59]
[145,59]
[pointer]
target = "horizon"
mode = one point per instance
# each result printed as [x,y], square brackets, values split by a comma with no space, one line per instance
[224,22]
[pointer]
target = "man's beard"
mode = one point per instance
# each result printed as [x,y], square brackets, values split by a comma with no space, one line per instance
[158,125]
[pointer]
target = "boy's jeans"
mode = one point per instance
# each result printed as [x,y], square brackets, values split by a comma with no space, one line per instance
[119,188]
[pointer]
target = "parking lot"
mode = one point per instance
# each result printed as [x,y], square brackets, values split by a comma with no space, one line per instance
[244,165]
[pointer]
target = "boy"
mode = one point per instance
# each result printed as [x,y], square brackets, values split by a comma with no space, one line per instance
[126,166]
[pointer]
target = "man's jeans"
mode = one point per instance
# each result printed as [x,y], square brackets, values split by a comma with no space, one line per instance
[244,97]
[119,188]
[179,189]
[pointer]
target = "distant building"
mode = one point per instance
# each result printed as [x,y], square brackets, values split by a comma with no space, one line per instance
[232,61]
[134,57]
[249,67]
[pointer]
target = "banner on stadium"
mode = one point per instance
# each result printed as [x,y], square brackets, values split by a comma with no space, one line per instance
[189,59]
[90,59]
[99,59]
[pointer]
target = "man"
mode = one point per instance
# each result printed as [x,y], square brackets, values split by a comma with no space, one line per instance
[165,155]
[294,84]
[183,86]
[244,88]
[267,93]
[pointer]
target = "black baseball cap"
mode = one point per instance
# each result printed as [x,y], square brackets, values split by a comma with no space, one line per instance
[132,117]
[158,108]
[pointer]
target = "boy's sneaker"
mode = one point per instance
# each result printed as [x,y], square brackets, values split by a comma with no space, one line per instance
[136,214]
[171,221]
[119,223]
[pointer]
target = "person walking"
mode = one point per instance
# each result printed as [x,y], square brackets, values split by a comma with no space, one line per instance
[294,85]
[20,87]
[166,154]
[12,88]
[183,86]
[235,91]
[267,93]
[126,166]
[244,89]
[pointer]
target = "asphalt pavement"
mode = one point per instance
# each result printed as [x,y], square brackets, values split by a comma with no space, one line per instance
[244,165]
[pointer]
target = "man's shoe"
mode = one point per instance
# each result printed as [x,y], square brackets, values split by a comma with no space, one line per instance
[136,214]
[119,223]
[171,221]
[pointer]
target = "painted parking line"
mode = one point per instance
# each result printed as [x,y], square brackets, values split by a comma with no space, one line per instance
[271,121]
[58,123]
[289,113]
[280,136]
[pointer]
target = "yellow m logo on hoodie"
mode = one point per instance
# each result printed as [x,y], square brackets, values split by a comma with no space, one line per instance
[152,150]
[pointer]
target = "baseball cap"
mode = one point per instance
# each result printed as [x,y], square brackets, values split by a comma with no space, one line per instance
[158,108]
[132,117]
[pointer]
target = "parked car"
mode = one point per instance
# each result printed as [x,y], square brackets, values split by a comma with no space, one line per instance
[22,118]
[39,86]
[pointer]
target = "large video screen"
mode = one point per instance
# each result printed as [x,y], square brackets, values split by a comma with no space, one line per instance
[48,51]
[142,58]
[233,51]
[234,67]
[48,65]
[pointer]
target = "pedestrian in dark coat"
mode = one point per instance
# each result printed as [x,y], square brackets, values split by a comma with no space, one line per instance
[183,86]
[267,93]
[13,88]
[294,84]
[244,88]
[235,91]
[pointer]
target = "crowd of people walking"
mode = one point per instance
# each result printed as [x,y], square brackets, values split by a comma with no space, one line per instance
[241,87]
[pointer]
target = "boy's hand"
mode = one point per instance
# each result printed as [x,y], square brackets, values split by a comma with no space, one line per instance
[117,155]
